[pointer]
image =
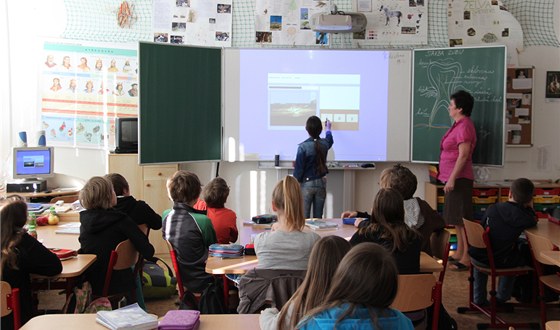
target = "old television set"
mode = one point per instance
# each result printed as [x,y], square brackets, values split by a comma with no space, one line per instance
[126,135]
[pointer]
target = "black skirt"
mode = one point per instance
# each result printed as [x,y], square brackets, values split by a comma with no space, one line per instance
[458,202]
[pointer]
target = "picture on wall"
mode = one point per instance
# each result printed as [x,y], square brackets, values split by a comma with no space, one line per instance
[552,84]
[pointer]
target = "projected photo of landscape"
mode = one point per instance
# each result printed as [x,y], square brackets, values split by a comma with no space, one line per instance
[291,107]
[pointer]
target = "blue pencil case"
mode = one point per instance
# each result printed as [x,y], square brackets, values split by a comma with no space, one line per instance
[348,221]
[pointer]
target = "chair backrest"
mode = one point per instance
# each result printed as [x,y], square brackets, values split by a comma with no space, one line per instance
[475,234]
[539,244]
[261,288]
[439,245]
[66,198]
[122,257]
[9,303]
[417,292]
[175,263]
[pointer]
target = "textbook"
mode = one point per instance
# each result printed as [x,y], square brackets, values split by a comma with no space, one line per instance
[320,224]
[131,317]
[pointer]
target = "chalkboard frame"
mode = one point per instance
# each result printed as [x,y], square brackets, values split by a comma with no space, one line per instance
[488,115]
[180,117]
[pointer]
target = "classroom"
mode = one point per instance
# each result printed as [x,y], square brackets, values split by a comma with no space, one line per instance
[34,28]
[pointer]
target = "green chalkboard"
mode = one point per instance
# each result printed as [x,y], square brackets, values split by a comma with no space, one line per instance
[180,103]
[438,73]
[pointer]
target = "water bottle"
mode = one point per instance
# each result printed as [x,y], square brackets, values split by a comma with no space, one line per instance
[32,225]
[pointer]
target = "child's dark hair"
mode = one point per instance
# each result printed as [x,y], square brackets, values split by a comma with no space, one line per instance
[184,187]
[401,179]
[463,100]
[388,220]
[367,276]
[216,193]
[522,190]
[120,185]
[314,127]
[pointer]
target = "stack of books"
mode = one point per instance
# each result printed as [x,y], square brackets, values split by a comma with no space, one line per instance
[180,320]
[226,250]
[131,317]
[320,224]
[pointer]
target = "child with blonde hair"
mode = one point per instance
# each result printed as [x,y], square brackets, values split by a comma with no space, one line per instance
[287,246]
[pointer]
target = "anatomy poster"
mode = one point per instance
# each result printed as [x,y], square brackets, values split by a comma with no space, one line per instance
[391,22]
[193,22]
[84,87]
[288,22]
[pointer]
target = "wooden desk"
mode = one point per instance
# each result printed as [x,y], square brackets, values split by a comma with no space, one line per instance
[547,229]
[551,256]
[87,322]
[73,267]
[50,239]
[553,325]
[52,193]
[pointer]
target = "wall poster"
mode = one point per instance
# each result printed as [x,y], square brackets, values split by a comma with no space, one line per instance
[392,22]
[84,87]
[519,106]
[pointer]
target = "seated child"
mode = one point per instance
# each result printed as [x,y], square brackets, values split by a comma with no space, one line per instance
[287,246]
[223,219]
[388,229]
[323,260]
[507,221]
[360,295]
[102,229]
[418,213]
[188,230]
[138,210]
[22,255]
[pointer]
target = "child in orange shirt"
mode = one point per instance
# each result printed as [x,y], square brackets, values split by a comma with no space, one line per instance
[223,219]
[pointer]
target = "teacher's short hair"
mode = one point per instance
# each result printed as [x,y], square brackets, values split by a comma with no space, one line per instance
[463,100]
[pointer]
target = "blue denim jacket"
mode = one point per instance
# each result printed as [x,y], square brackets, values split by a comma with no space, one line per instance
[305,168]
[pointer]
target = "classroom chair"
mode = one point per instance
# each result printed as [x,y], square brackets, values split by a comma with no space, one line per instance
[418,292]
[180,286]
[9,303]
[65,199]
[440,245]
[539,244]
[553,325]
[263,288]
[124,256]
[478,237]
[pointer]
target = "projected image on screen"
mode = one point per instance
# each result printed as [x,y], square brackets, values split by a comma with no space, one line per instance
[295,97]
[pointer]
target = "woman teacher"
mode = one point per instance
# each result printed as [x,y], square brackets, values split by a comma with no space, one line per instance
[311,166]
[455,169]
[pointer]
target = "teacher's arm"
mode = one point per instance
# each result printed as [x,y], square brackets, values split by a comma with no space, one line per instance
[464,154]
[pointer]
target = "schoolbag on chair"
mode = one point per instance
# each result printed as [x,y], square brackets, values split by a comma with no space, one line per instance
[158,280]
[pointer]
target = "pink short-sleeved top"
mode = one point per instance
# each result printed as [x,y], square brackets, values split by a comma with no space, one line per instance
[461,131]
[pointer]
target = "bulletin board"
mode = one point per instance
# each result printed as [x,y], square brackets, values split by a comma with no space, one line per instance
[519,106]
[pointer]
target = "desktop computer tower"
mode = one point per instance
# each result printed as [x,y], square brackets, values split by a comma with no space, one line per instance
[28,186]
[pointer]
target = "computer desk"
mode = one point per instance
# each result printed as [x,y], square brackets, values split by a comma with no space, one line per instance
[46,195]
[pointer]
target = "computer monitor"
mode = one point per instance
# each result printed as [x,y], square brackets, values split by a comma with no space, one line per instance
[33,163]
[126,135]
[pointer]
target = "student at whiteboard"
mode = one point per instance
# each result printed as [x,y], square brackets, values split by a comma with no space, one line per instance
[455,169]
[311,166]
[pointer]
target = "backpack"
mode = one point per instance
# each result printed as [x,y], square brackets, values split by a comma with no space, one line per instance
[80,302]
[158,281]
[212,298]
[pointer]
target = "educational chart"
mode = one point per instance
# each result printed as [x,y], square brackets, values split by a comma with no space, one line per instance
[193,22]
[437,74]
[483,22]
[287,22]
[392,22]
[84,87]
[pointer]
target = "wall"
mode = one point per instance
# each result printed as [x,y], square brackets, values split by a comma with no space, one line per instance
[251,187]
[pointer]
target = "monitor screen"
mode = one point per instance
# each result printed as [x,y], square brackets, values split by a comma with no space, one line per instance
[33,162]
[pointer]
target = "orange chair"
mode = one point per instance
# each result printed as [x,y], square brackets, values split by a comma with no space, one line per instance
[417,292]
[478,237]
[539,244]
[10,303]
[124,256]
[181,287]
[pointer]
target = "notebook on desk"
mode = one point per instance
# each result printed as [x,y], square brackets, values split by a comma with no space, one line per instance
[72,228]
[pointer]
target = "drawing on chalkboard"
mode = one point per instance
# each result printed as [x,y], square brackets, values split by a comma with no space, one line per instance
[443,79]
